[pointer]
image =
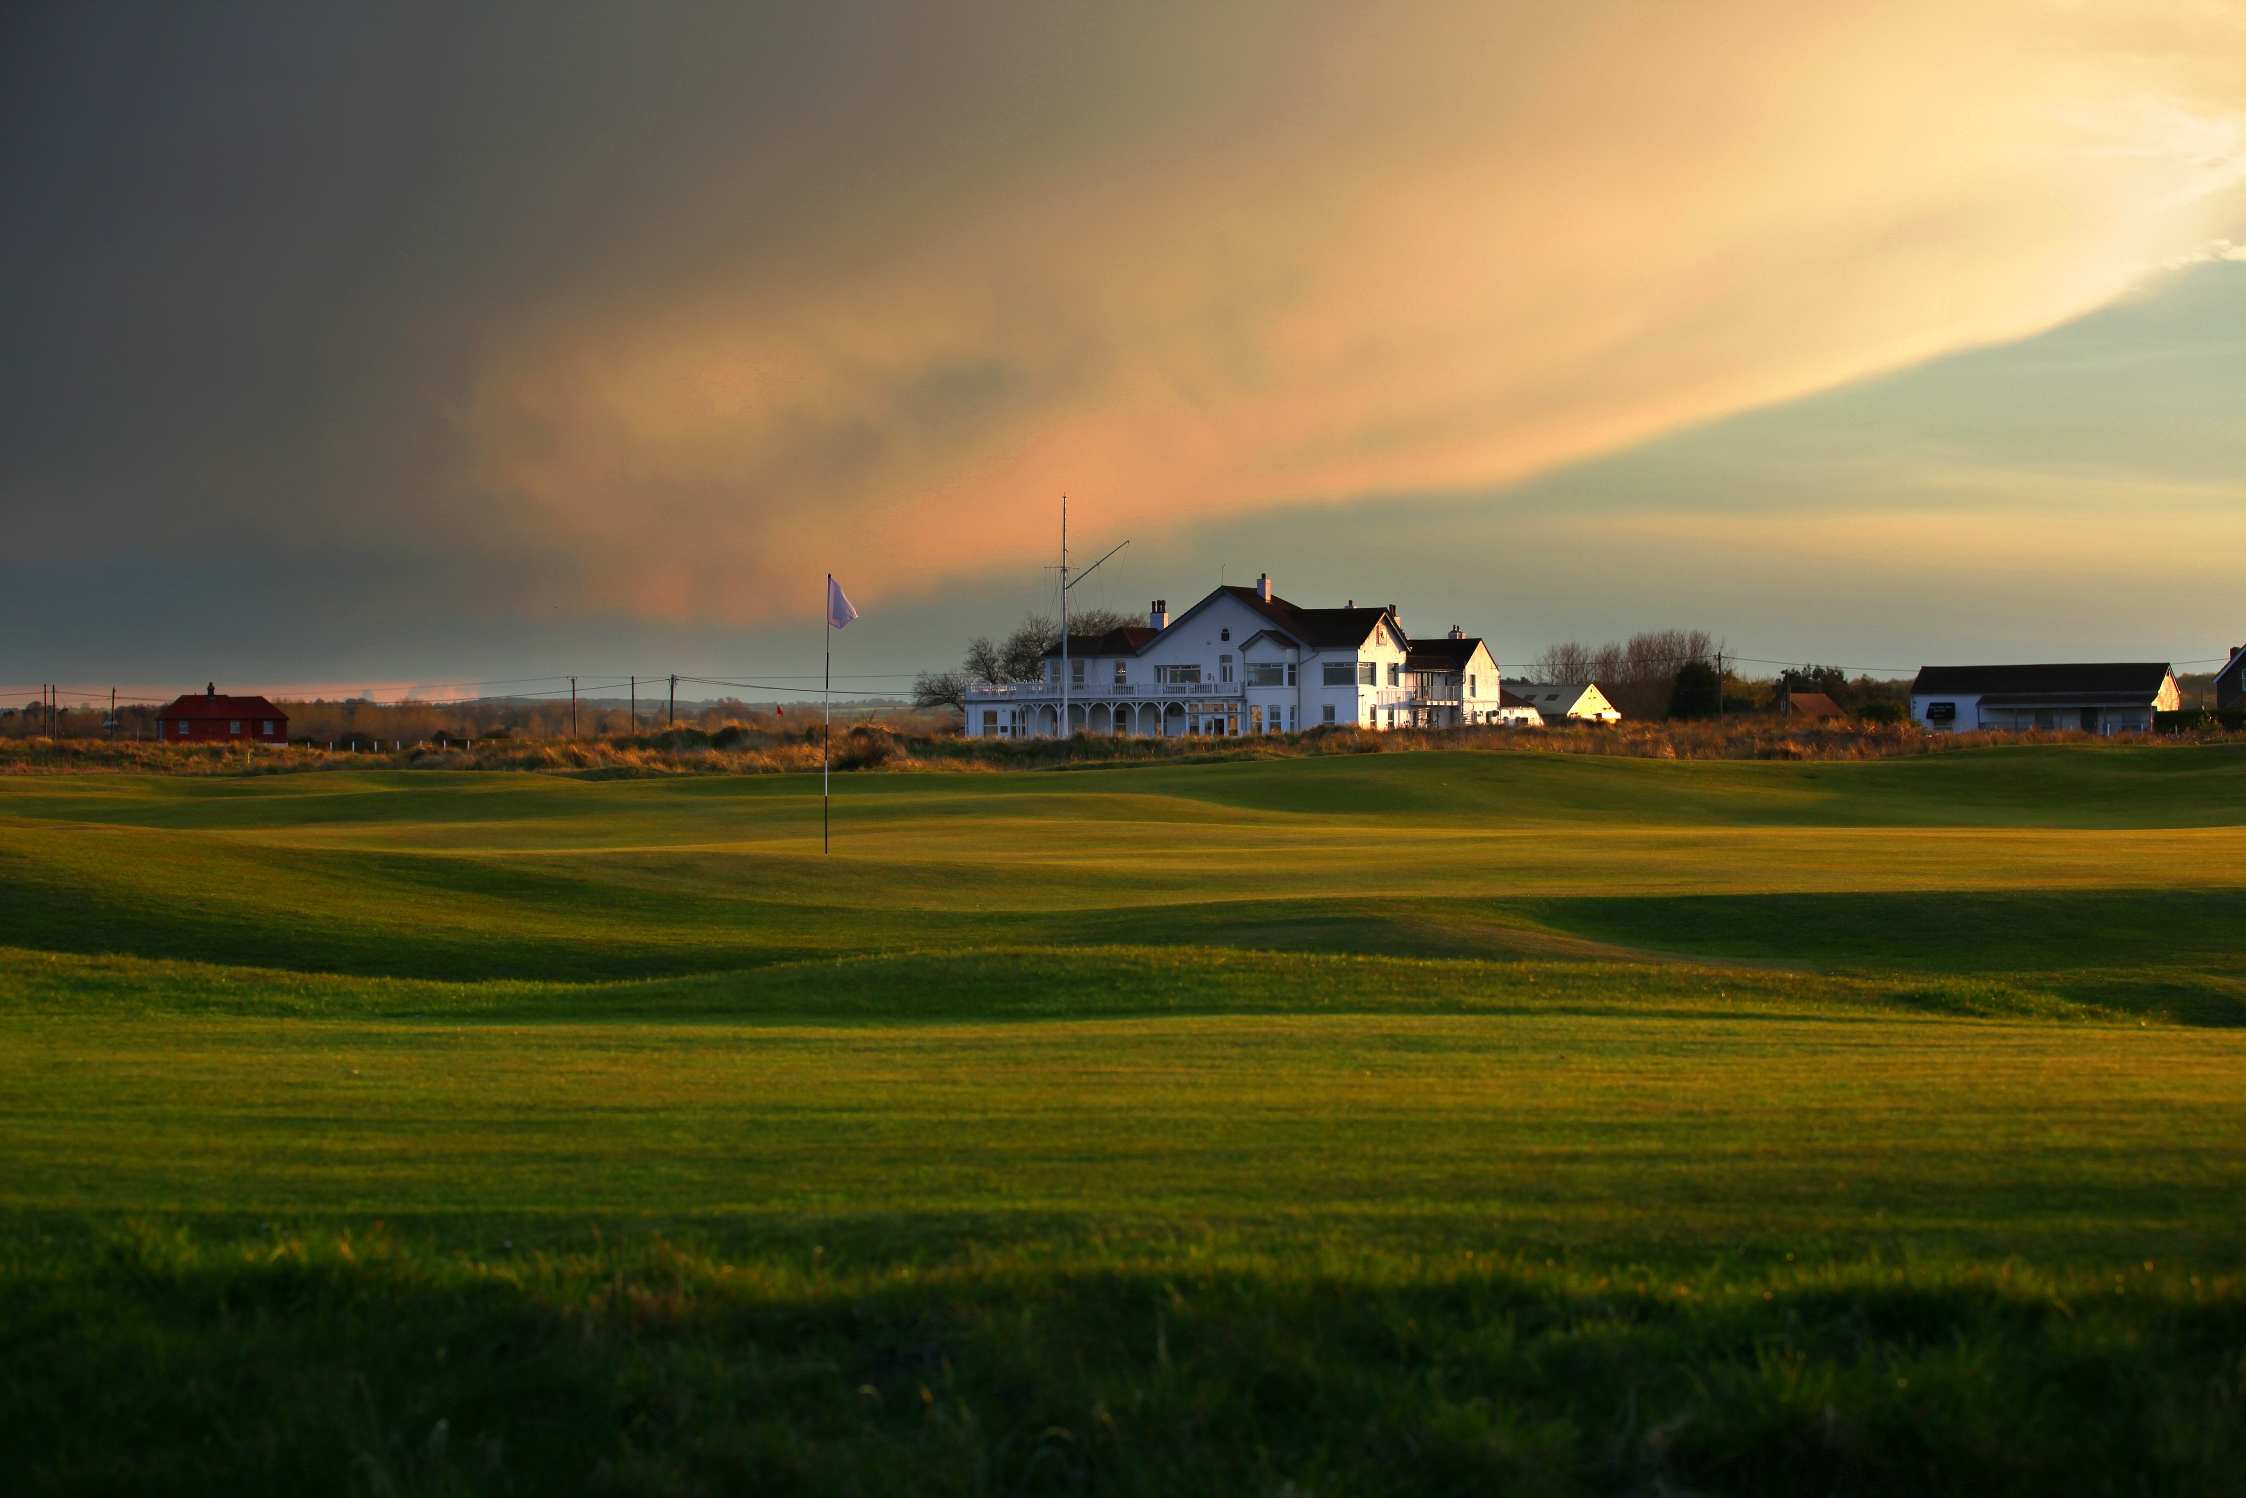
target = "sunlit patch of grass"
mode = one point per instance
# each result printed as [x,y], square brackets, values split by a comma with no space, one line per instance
[1360,1122]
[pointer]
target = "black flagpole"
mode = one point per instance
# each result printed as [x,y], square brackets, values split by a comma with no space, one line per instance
[826,733]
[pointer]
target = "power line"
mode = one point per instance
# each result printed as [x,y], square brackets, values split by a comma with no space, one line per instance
[784,683]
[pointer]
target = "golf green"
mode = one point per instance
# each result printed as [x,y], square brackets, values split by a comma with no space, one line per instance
[1394,1122]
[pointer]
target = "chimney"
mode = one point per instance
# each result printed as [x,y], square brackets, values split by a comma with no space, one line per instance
[1263,587]
[1158,617]
[210,689]
[1457,633]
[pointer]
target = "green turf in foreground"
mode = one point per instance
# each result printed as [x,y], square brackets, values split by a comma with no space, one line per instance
[548,1136]
[864,1356]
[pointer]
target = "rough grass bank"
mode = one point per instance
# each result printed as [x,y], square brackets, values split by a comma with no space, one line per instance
[747,749]
[860,1357]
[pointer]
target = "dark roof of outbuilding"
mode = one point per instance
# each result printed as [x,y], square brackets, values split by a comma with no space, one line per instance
[2135,681]
[1440,654]
[204,705]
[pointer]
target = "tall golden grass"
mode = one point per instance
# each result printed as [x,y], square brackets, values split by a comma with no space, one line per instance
[757,749]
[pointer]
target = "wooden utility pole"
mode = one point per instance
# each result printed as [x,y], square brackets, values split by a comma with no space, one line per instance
[1064,622]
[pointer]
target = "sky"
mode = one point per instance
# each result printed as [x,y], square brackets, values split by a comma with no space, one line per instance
[411,347]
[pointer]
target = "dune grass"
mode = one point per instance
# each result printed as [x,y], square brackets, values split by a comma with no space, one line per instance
[1396,1123]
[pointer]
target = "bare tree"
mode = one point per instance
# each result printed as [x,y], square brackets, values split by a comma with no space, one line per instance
[1091,622]
[1569,662]
[1018,657]
[1637,675]
[941,689]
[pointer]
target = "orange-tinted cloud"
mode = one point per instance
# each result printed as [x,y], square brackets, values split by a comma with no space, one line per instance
[1340,254]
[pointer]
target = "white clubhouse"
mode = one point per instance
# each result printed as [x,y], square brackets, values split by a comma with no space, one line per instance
[1243,661]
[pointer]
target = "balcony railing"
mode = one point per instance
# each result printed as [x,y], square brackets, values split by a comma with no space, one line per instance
[1412,697]
[1050,691]
[1183,691]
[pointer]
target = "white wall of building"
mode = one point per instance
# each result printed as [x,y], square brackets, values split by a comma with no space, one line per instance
[1966,710]
[1195,678]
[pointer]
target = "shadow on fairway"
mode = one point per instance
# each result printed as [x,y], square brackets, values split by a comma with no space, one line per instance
[2170,952]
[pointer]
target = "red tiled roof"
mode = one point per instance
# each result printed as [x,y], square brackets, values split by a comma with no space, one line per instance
[1812,705]
[204,705]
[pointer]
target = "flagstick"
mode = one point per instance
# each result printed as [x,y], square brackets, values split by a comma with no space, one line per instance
[826,733]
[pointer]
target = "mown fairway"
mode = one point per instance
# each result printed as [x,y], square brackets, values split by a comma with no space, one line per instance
[1416,1122]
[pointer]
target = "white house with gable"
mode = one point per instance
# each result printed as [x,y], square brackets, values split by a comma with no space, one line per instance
[2102,697]
[1245,661]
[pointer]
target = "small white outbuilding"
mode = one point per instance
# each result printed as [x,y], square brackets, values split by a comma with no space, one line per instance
[1558,702]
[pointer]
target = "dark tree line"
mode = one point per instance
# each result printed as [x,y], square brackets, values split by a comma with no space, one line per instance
[1673,673]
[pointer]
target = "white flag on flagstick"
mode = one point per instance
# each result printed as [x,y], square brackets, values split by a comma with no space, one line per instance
[839,611]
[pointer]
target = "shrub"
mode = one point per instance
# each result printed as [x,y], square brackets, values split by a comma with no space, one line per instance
[2200,720]
[1697,691]
[864,748]
[1880,710]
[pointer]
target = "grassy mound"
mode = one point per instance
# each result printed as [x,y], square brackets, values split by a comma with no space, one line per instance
[1427,1122]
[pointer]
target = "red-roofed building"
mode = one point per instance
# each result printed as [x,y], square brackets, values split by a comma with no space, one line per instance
[212,719]
[1809,705]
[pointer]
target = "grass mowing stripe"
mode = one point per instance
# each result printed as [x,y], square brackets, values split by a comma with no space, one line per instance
[1341,1126]
[1566,1123]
